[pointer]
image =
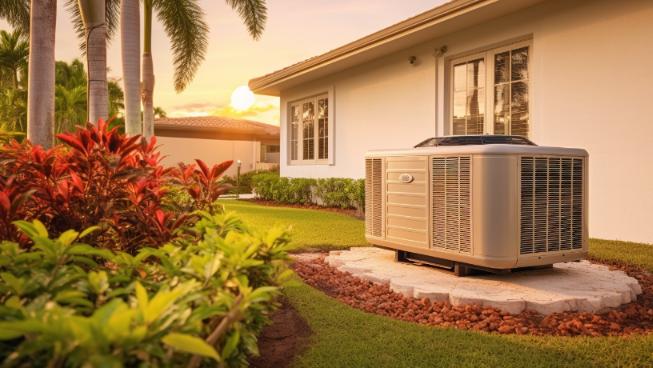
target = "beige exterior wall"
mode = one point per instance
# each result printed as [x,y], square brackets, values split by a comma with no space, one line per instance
[592,88]
[210,151]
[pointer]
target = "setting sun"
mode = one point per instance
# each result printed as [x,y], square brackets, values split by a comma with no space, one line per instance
[242,98]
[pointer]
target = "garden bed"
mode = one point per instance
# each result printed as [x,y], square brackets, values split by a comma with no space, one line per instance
[633,318]
[354,213]
[281,341]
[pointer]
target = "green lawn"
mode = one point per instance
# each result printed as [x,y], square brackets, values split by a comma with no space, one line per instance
[346,337]
[312,229]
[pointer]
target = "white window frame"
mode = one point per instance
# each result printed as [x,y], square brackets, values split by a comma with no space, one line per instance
[298,104]
[488,55]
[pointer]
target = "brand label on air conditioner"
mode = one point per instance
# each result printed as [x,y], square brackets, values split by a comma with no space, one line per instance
[406,178]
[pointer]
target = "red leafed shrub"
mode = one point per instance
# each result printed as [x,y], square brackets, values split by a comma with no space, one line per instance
[103,179]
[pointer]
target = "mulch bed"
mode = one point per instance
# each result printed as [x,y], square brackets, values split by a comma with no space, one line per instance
[281,341]
[629,319]
[354,213]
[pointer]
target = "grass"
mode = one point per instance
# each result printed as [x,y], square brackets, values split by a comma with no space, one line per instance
[632,254]
[346,337]
[312,229]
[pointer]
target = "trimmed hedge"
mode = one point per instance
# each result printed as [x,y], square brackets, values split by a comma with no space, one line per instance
[333,192]
[246,179]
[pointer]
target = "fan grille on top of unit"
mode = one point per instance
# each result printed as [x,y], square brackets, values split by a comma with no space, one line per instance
[374,197]
[551,204]
[452,215]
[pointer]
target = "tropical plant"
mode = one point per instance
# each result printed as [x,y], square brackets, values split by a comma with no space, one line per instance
[66,303]
[14,53]
[104,179]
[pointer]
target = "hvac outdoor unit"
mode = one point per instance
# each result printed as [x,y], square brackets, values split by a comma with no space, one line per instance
[485,202]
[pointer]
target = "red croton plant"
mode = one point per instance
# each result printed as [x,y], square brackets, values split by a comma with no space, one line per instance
[113,181]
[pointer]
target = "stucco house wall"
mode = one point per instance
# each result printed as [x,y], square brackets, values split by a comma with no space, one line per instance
[592,88]
[211,151]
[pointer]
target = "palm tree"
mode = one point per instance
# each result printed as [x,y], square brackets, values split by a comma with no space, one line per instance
[40,103]
[67,74]
[14,53]
[183,21]
[116,98]
[13,110]
[70,107]
[93,17]
[130,30]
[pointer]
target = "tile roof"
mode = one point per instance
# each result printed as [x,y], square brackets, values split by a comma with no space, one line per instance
[216,123]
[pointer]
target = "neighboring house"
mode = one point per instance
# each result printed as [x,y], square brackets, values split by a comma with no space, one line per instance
[215,139]
[568,73]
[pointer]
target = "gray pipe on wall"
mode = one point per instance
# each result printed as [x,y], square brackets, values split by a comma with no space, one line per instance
[438,52]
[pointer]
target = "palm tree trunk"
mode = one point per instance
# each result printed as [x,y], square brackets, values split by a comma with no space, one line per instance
[130,29]
[40,103]
[93,16]
[147,89]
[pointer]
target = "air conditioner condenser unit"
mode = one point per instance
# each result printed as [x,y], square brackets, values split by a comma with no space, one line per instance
[487,202]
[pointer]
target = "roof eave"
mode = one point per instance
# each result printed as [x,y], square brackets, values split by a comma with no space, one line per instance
[273,83]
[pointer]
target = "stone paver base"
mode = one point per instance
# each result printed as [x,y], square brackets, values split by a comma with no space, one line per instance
[580,286]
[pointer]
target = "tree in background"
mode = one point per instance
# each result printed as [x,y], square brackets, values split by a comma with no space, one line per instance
[183,22]
[38,19]
[14,54]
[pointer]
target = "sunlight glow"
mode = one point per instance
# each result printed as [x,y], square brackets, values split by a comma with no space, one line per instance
[242,98]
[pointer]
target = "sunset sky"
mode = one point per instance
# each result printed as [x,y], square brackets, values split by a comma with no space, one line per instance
[296,30]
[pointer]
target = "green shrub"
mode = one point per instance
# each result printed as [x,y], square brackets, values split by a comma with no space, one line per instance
[334,192]
[272,187]
[59,306]
[246,179]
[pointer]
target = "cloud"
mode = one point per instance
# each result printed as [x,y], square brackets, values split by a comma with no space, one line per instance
[264,111]
[253,111]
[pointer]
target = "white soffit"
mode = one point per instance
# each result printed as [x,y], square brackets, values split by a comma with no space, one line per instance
[450,17]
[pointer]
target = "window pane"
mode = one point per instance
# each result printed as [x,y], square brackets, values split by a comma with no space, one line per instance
[460,105]
[502,67]
[459,77]
[501,108]
[294,134]
[476,111]
[308,113]
[519,110]
[476,74]
[519,64]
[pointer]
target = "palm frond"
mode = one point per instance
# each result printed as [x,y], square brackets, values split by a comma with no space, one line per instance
[112,20]
[16,13]
[254,14]
[183,21]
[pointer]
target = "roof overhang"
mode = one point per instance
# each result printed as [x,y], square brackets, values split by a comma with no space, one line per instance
[258,134]
[450,17]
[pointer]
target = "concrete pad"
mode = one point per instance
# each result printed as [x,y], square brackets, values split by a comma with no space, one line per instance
[567,287]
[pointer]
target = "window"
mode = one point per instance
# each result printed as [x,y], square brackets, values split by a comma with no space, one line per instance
[506,71]
[309,131]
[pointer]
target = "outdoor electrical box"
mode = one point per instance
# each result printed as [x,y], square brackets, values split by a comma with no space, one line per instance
[479,202]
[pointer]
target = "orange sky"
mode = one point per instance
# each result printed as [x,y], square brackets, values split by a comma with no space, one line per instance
[296,30]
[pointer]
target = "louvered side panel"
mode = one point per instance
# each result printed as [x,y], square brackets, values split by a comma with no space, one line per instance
[374,196]
[452,203]
[369,197]
[377,190]
[551,204]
